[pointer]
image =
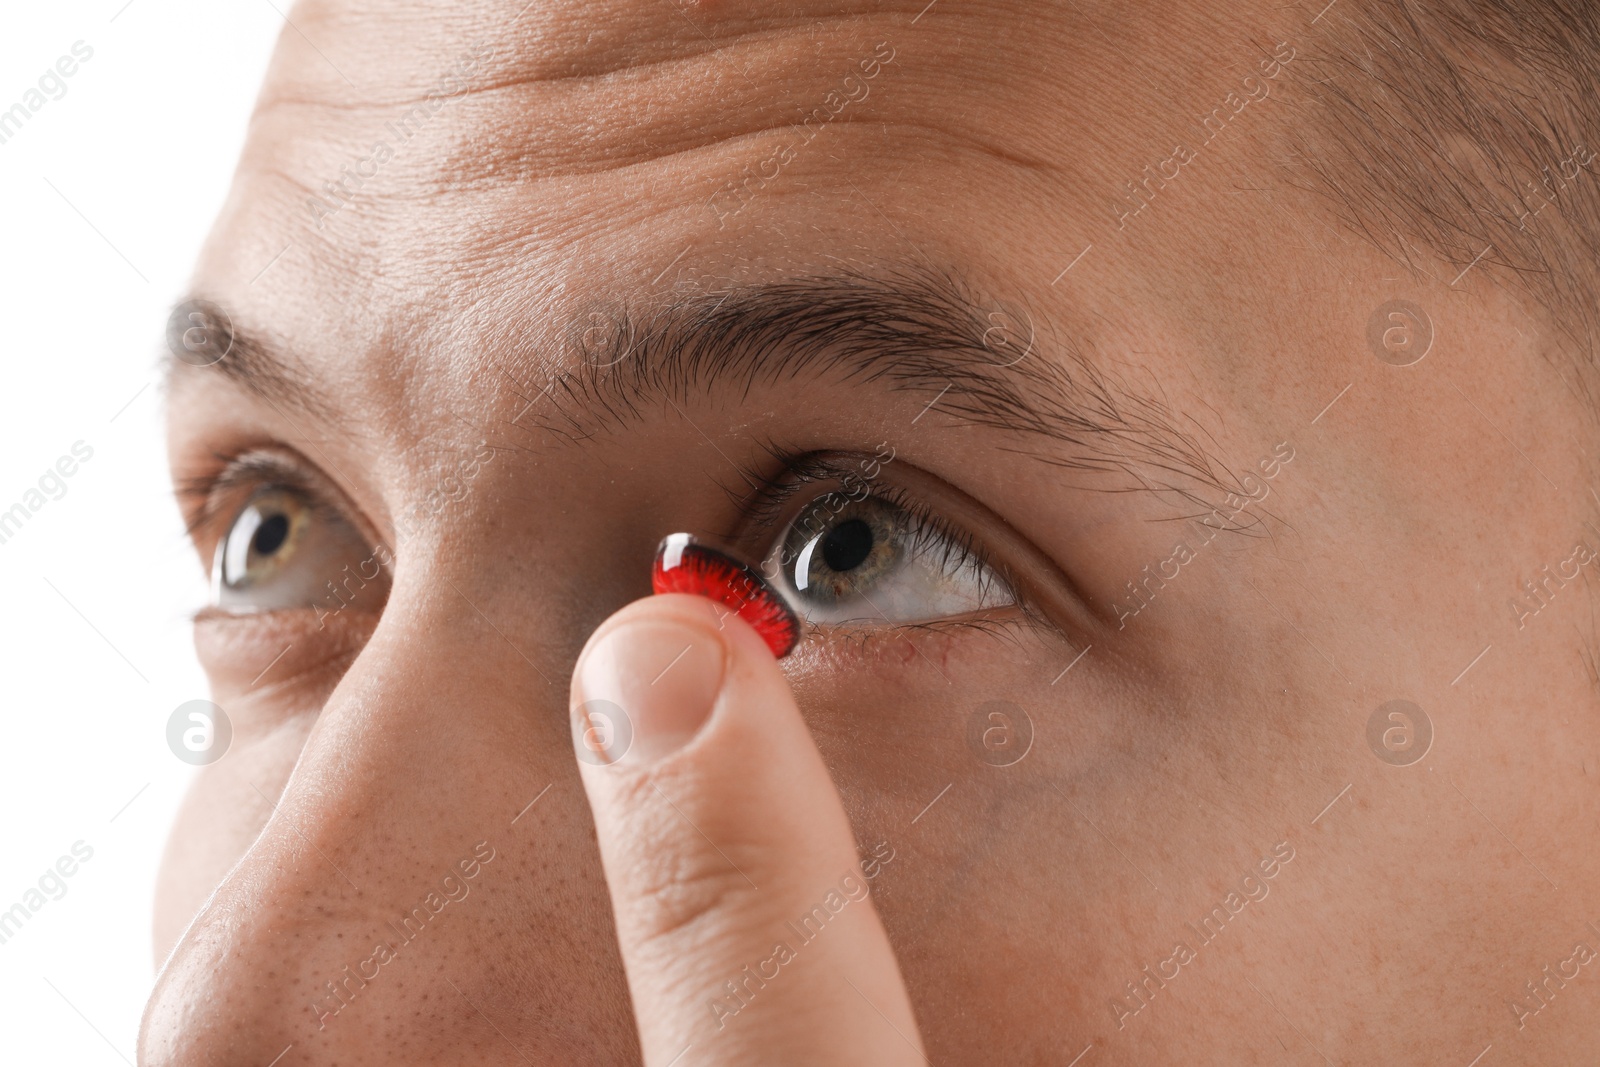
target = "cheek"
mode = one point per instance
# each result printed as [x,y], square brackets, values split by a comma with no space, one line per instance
[950,748]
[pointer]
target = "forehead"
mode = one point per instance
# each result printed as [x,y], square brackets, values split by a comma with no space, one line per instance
[425,148]
[433,195]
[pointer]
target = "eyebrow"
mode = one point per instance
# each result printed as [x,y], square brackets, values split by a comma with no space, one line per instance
[920,332]
[260,366]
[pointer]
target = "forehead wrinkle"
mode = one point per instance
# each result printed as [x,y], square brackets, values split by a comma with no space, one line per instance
[507,129]
[512,137]
[542,111]
[512,73]
[342,51]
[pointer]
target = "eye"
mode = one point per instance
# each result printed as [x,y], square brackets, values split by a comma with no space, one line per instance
[283,550]
[848,558]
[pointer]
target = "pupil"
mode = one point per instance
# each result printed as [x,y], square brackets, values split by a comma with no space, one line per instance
[847,545]
[271,534]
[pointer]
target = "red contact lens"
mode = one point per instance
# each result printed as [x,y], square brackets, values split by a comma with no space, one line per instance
[683,566]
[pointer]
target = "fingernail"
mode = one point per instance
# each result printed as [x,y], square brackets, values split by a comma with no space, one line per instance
[644,690]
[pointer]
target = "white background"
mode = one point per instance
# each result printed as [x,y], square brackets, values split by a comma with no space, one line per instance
[140,151]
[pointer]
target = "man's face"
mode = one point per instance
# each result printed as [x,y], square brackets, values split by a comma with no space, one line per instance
[1164,513]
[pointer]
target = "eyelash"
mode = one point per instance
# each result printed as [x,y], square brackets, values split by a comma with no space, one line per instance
[770,507]
[216,496]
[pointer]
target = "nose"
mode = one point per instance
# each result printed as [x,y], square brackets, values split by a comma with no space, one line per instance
[427,889]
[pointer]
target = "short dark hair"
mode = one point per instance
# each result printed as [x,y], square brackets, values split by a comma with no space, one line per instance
[1469,128]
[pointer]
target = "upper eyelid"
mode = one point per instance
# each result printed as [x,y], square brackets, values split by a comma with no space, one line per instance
[762,509]
[204,496]
[767,508]
[772,500]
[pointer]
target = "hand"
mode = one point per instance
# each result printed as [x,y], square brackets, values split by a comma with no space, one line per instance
[742,909]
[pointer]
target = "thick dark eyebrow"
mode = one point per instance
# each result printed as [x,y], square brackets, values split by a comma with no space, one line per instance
[918,332]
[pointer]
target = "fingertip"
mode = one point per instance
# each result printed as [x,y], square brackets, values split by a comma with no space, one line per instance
[646,682]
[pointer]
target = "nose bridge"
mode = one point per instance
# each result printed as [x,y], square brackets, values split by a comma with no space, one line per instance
[440,689]
[406,836]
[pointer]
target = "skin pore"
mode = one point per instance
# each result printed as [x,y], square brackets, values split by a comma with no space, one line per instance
[585,301]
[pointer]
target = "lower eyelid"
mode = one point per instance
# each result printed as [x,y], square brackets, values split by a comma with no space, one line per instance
[919,643]
[261,652]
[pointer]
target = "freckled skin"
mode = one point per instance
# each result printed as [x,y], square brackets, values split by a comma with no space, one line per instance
[379,752]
